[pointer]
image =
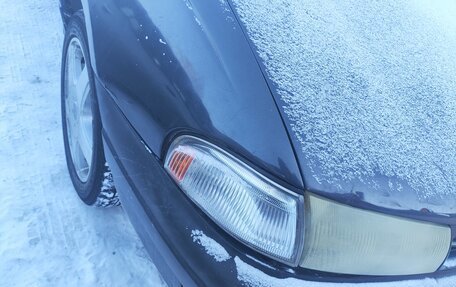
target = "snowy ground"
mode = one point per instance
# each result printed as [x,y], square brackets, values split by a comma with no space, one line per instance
[47,236]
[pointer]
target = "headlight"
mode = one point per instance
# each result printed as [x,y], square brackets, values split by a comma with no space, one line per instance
[247,205]
[343,239]
[337,238]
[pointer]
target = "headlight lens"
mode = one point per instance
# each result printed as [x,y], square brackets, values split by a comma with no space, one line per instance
[347,240]
[270,219]
[247,205]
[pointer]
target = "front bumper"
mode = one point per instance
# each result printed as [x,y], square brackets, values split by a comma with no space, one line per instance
[165,219]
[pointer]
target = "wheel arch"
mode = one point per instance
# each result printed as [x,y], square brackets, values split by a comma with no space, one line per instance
[68,8]
[71,6]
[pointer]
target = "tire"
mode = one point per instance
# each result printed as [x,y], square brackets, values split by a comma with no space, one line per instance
[81,122]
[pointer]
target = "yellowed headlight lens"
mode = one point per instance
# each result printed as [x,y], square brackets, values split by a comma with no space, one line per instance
[347,240]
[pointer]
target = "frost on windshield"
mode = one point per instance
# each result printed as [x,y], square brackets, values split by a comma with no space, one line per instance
[369,86]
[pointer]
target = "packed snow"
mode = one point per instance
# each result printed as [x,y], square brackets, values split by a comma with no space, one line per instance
[212,247]
[369,86]
[48,237]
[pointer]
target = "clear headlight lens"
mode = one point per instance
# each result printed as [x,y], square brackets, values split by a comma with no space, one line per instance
[347,240]
[247,205]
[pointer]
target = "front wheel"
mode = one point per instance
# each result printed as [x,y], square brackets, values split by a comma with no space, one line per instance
[81,121]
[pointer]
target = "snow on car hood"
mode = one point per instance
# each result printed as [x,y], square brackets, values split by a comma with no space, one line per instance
[368,88]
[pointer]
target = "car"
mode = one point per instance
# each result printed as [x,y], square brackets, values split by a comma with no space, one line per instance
[266,143]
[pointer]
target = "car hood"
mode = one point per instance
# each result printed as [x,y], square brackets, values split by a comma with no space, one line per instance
[368,93]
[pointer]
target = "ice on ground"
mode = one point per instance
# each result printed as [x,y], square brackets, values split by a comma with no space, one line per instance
[253,277]
[212,247]
[369,86]
[48,237]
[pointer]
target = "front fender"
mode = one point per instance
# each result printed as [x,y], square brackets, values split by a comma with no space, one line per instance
[181,66]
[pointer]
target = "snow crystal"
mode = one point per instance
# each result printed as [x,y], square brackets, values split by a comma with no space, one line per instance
[212,247]
[188,4]
[198,21]
[225,6]
[255,278]
[369,86]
